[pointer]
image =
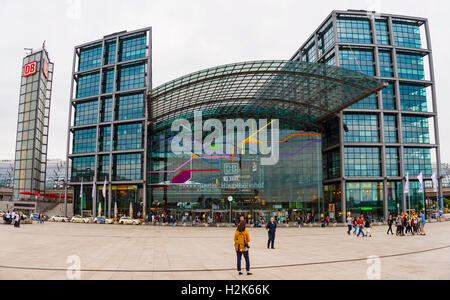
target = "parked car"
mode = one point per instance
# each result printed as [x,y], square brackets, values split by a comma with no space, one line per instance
[129,221]
[59,219]
[103,220]
[80,219]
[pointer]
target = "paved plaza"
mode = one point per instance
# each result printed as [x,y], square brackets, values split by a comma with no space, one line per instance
[147,252]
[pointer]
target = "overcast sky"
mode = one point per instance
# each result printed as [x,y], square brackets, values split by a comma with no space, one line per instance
[188,35]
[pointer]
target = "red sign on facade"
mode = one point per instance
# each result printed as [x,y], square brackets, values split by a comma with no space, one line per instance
[45,69]
[30,69]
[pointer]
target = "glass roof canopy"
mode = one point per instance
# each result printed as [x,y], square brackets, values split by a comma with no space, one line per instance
[307,93]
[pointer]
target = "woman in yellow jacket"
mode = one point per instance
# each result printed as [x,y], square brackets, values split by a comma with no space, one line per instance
[242,246]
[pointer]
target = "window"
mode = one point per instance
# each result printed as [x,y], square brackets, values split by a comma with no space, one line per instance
[332,164]
[418,160]
[415,130]
[104,142]
[131,77]
[390,129]
[413,98]
[362,162]
[309,53]
[103,168]
[128,137]
[133,47]
[354,31]
[410,66]
[110,52]
[382,33]
[370,102]
[358,60]
[392,162]
[88,85]
[86,113]
[83,169]
[106,110]
[84,140]
[108,81]
[130,107]
[90,57]
[361,128]
[407,35]
[386,69]
[127,167]
[389,97]
[326,38]
[363,197]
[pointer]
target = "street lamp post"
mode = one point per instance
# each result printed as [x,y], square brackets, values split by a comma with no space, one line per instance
[230,199]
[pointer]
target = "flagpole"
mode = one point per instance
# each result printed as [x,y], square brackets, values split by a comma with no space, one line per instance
[409,202]
[81,198]
[424,204]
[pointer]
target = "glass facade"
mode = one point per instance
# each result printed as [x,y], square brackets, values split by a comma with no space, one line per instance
[365,198]
[86,113]
[392,162]
[387,127]
[358,59]
[362,128]
[32,126]
[386,69]
[415,130]
[389,97]
[193,183]
[410,66]
[107,136]
[390,129]
[407,34]
[383,36]
[357,164]
[362,162]
[354,31]
[413,98]
[418,160]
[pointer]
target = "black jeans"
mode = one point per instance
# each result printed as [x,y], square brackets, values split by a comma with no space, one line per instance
[239,260]
[350,227]
[271,240]
[390,230]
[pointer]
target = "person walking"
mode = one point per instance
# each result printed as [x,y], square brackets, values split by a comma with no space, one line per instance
[355,226]
[399,224]
[368,226]
[242,247]
[349,224]
[17,221]
[390,224]
[360,224]
[271,228]
[423,222]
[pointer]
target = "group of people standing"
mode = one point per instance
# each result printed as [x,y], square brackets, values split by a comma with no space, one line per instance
[12,218]
[413,224]
[242,242]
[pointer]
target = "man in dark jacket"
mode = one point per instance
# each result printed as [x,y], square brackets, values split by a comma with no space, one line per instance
[271,229]
[390,224]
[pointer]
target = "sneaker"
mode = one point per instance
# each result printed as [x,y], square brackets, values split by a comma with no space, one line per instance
[249,274]
[240,274]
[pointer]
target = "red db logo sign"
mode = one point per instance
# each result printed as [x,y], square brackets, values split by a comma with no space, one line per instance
[30,69]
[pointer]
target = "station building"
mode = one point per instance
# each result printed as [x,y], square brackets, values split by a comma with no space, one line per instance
[333,130]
